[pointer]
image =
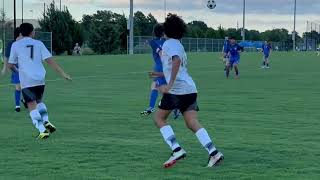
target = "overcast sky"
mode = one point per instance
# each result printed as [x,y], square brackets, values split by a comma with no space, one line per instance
[261,14]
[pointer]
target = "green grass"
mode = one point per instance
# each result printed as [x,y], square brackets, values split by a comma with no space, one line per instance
[267,123]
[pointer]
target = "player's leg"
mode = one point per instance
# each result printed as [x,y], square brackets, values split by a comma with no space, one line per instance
[30,96]
[42,108]
[267,61]
[190,111]
[17,97]
[263,62]
[17,92]
[152,101]
[167,104]
[236,69]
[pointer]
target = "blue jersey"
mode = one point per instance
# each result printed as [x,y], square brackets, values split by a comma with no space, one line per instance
[156,45]
[266,49]
[14,75]
[234,49]
[225,46]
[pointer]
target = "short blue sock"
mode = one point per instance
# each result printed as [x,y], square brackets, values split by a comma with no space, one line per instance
[17,95]
[153,98]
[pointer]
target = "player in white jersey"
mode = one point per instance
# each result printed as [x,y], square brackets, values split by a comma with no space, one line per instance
[30,54]
[180,93]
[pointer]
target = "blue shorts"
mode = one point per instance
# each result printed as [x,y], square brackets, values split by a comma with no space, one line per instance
[160,81]
[266,56]
[15,78]
[234,61]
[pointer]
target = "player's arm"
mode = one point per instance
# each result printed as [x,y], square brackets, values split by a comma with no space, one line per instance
[52,63]
[156,74]
[155,46]
[4,68]
[176,62]
[13,59]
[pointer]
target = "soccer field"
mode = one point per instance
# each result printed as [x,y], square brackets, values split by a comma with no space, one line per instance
[267,123]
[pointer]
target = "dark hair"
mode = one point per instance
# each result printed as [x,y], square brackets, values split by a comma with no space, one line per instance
[26,29]
[174,27]
[16,33]
[158,30]
[232,37]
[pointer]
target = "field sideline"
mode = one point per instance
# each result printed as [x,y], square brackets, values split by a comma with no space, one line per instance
[267,123]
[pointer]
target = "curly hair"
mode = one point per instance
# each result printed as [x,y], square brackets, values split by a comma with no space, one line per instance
[174,27]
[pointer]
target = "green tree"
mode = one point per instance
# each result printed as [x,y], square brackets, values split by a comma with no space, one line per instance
[143,25]
[105,31]
[65,30]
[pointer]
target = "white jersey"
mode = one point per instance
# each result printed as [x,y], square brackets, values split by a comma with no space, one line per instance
[183,83]
[29,55]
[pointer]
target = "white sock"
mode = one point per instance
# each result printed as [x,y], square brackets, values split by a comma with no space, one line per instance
[42,108]
[169,137]
[205,140]
[37,120]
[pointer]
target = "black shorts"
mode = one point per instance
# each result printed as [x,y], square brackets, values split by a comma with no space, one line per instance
[33,93]
[184,103]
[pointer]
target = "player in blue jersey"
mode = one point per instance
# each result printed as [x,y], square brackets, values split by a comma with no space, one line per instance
[266,50]
[15,75]
[234,50]
[225,58]
[157,74]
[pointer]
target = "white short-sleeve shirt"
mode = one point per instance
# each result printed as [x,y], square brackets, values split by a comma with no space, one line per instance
[183,83]
[29,54]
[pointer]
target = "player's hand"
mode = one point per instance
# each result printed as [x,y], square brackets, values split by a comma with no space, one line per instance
[153,74]
[67,77]
[165,89]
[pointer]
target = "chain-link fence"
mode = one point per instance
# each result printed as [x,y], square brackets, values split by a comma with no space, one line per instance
[45,37]
[311,36]
[141,45]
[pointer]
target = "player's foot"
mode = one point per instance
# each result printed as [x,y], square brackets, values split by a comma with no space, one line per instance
[44,135]
[176,114]
[148,111]
[50,127]
[17,109]
[262,67]
[237,77]
[176,155]
[215,159]
[24,104]
[268,67]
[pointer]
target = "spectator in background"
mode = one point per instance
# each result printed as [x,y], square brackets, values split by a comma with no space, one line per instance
[77,49]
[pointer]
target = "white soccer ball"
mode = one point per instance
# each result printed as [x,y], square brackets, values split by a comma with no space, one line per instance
[211,4]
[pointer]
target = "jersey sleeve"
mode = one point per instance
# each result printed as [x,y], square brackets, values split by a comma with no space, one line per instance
[155,46]
[45,54]
[13,58]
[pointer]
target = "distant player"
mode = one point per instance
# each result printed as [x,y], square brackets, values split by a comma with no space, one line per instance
[180,93]
[225,57]
[15,75]
[234,50]
[157,74]
[266,50]
[318,50]
[30,54]
[158,80]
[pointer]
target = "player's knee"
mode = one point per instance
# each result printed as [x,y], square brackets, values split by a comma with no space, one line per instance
[41,107]
[159,120]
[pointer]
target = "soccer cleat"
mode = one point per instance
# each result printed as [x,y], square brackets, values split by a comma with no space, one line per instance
[268,67]
[50,127]
[17,109]
[44,135]
[262,67]
[174,158]
[215,160]
[148,111]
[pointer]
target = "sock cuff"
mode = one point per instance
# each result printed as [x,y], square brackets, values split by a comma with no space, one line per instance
[201,131]
[166,131]
[41,106]
[35,115]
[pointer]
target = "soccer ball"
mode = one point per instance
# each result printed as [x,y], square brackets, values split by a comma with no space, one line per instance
[211,4]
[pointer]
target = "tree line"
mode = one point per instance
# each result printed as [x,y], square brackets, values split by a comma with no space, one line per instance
[105,32]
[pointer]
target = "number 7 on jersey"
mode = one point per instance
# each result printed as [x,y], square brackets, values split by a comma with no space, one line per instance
[31,50]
